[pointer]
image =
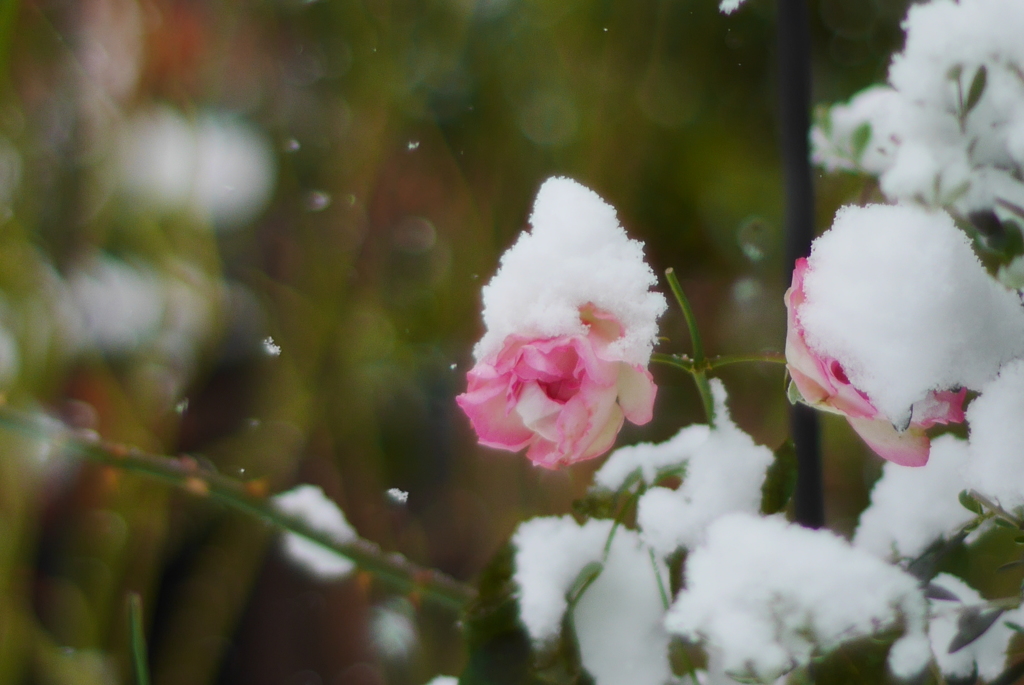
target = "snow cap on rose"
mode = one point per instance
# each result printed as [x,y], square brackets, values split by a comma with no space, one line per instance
[571,324]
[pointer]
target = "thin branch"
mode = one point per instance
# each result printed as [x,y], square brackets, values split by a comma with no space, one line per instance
[691,320]
[247,498]
[729,359]
[995,508]
[678,361]
[698,372]
[665,601]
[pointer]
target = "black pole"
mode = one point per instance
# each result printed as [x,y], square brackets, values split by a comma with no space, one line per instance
[794,49]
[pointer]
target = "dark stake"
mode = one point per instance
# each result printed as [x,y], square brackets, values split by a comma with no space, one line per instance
[794,50]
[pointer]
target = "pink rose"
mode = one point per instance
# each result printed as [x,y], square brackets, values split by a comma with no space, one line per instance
[563,397]
[823,384]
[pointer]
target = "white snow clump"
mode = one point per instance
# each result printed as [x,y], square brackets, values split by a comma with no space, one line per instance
[858,134]
[950,129]
[618,619]
[729,6]
[550,553]
[393,629]
[764,596]
[988,652]
[650,458]
[576,254]
[119,306]
[997,438]
[725,470]
[220,168]
[309,503]
[898,297]
[912,506]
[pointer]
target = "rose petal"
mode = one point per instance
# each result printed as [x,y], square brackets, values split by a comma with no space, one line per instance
[539,412]
[604,439]
[940,407]
[485,407]
[597,371]
[909,448]
[602,325]
[601,407]
[544,453]
[564,397]
[636,393]
[547,360]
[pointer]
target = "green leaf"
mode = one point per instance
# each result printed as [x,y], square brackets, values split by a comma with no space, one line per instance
[596,503]
[1003,523]
[793,393]
[969,503]
[780,480]
[860,139]
[587,575]
[138,639]
[673,471]
[926,565]
[1014,626]
[976,90]
[972,624]
[1014,239]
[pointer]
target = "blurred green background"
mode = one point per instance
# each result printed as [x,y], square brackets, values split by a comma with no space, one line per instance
[255,231]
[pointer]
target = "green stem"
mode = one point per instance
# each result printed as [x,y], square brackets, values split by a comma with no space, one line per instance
[138,639]
[995,508]
[698,371]
[620,516]
[184,473]
[676,361]
[728,359]
[666,602]
[691,320]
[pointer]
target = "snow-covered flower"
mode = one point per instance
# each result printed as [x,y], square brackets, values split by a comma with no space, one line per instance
[570,328]
[823,384]
[565,398]
[891,318]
